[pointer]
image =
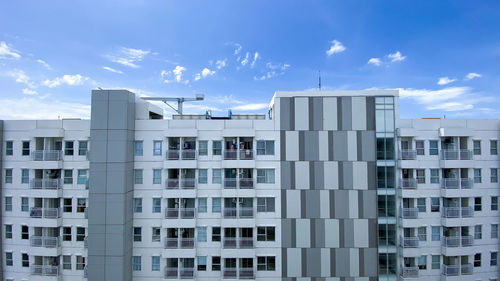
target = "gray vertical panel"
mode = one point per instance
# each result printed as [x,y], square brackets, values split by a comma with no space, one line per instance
[370,113]
[361,262]
[319,175]
[291,110]
[346,113]
[286,175]
[286,233]
[332,203]
[283,204]
[330,145]
[369,146]
[361,201]
[292,175]
[312,232]
[341,233]
[348,233]
[283,146]
[302,148]
[372,175]
[341,174]
[372,229]
[320,233]
[312,184]
[339,114]
[347,170]
[311,113]
[284,261]
[333,263]
[285,120]
[313,262]
[310,145]
[303,204]
[359,148]
[303,253]
[340,145]
[318,113]
[313,203]
[294,232]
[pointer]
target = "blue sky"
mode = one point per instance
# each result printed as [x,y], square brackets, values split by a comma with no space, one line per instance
[443,55]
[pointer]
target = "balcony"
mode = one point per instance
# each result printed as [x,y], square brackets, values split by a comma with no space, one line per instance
[173,154]
[247,273]
[409,242]
[408,183]
[230,213]
[456,270]
[456,154]
[246,212]
[45,183]
[230,183]
[458,212]
[452,241]
[44,270]
[409,272]
[467,240]
[172,183]
[187,273]
[173,243]
[46,155]
[46,213]
[466,269]
[246,243]
[242,183]
[185,213]
[466,183]
[171,272]
[241,242]
[44,241]
[409,213]
[244,154]
[229,243]
[455,183]
[246,183]
[188,154]
[408,154]
[230,273]
[185,154]
[188,183]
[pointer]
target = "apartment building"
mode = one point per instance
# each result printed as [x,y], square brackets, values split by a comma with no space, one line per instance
[291,195]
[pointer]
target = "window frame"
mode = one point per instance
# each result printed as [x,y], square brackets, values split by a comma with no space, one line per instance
[9,151]
[157,147]
[69,150]
[139,148]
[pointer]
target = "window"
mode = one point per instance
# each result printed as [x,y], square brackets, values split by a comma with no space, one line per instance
[420,176]
[216,234]
[82,148]
[137,205]
[9,148]
[436,262]
[494,231]
[202,263]
[216,176]
[66,233]
[67,262]
[25,232]
[477,204]
[421,205]
[477,175]
[419,145]
[203,148]
[434,175]
[494,175]
[202,175]
[266,263]
[436,233]
[265,175]
[265,204]
[493,258]
[68,205]
[478,232]
[68,148]
[25,204]
[25,176]
[8,259]
[8,204]
[156,176]
[493,147]
[422,262]
[202,205]
[8,175]
[81,205]
[265,233]
[80,234]
[477,260]
[82,177]
[137,234]
[433,147]
[8,231]
[155,263]
[265,147]
[26,148]
[422,233]
[136,263]
[80,263]
[156,234]
[68,176]
[477,147]
[216,205]
[138,148]
[494,203]
[202,234]
[138,176]
[435,204]
[156,205]
[156,147]
[216,147]
[216,263]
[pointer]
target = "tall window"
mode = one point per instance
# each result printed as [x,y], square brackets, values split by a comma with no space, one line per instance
[202,234]
[493,258]
[26,148]
[265,204]
[136,263]
[435,204]
[80,262]
[419,145]
[155,263]
[80,234]
[477,175]
[202,176]
[436,233]
[66,233]
[203,148]
[477,260]
[81,205]
[138,176]
[216,147]
[68,176]
[8,259]
[494,175]
[422,262]
[493,147]
[25,176]
[156,234]
[436,262]
[156,205]
[477,147]
[68,148]
[25,204]
[265,233]
[265,175]
[8,204]
[157,148]
[216,205]
[137,205]
[421,205]
[137,234]
[25,233]
[66,262]
[216,234]
[266,263]
[421,176]
[202,205]
[202,263]
[68,205]
[138,148]
[216,263]
[433,147]
[434,175]
[8,231]
[478,232]
[265,147]
[478,206]
[422,233]
[82,148]
[82,177]
[9,148]
[156,176]
[494,231]
[494,203]
[216,176]
[8,175]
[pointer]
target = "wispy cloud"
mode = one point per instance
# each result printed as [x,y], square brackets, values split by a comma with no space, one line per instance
[21,77]
[471,76]
[45,64]
[112,69]
[273,70]
[446,80]
[256,56]
[246,59]
[219,64]
[251,107]
[67,79]
[238,48]
[129,56]
[336,47]
[174,75]
[29,92]
[53,109]
[7,52]
[204,73]
[375,61]
[447,99]
[397,56]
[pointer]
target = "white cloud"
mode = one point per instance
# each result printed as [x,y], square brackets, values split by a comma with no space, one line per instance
[447,99]
[129,56]
[277,66]
[238,48]
[251,106]
[375,61]
[246,59]
[45,64]
[30,92]
[20,77]
[70,80]
[174,75]
[336,47]
[397,56]
[53,109]
[256,56]
[221,63]
[451,106]
[112,69]
[273,71]
[446,80]
[7,52]
[204,73]
[471,76]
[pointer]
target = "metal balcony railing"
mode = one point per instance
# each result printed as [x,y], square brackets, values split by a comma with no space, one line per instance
[188,154]
[409,213]
[409,242]
[172,183]
[246,212]
[450,183]
[457,212]
[247,273]
[187,213]
[408,183]
[171,213]
[46,155]
[451,270]
[230,183]
[246,183]
[187,273]
[188,183]
[466,183]
[85,272]
[409,272]
[45,183]
[44,270]
[229,243]
[451,242]
[171,242]
[246,242]
[246,154]
[466,269]
[229,212]
[171,272]
[456,154]
[230,273]
[408,154]
[47,213]
[467,240]
[230,154]
[187,243]
[467,212]
[44,241]
[173,154]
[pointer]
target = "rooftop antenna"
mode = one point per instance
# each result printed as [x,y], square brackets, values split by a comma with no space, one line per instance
[180,101]
[319,79]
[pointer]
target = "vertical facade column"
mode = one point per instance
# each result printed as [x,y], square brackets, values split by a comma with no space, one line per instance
[1,196]
[110,213]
